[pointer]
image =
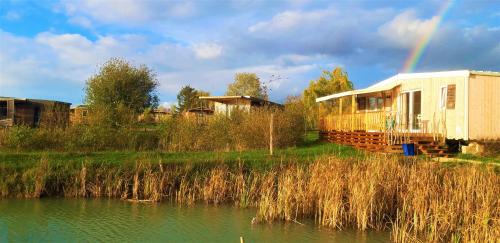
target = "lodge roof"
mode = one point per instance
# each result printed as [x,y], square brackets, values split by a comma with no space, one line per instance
[397,79]
[32,100]
[201,109]
[230,98]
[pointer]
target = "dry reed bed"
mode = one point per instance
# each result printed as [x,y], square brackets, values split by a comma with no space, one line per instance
[416,200]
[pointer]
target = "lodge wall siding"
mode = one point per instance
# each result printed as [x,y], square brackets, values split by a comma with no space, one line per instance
[431,94]
[484,107]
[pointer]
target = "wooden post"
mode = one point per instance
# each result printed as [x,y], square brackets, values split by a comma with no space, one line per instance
[340,113]
[367,100]
[242,240]
[271,134]
[383,120]
[320,119]
[353,110]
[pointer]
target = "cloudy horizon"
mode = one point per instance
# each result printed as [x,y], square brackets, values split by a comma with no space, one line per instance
[48,49]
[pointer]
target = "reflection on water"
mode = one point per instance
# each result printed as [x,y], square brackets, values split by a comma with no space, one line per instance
[77,220]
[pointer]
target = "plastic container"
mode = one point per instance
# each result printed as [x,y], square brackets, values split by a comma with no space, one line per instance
[409,149]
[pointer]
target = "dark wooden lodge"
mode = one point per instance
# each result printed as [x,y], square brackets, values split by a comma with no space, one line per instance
[33,112]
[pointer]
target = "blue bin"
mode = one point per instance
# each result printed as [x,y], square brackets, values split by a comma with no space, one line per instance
[409,149]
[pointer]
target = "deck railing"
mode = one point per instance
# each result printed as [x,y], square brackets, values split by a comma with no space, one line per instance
[395,125]
[354,122]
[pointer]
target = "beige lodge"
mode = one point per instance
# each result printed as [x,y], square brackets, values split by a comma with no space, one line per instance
[421,108]
[226,104]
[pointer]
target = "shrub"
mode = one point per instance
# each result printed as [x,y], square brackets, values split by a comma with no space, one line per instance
[241,131]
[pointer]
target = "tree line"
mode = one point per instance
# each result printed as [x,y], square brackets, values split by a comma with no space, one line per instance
[120,90]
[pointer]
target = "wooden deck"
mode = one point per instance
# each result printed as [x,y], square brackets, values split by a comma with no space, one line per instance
[382,142]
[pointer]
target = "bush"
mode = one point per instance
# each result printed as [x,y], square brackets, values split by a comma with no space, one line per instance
[241,131]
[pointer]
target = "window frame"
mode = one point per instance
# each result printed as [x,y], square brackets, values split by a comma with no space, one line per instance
[443,97]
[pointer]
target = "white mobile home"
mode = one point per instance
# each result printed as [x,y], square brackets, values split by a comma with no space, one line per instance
[459,105]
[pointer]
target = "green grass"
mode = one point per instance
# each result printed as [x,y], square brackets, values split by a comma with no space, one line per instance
[310,150]
[483,159]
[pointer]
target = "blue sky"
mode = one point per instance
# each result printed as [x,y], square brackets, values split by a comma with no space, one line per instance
[48,49]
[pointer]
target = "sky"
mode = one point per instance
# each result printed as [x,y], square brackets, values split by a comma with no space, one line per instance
[48,49]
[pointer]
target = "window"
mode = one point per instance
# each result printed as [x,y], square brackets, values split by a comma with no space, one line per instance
[380,103]
[372,103]
[388,103]
[361,103]
[450,96]
[84,113]
[442,100]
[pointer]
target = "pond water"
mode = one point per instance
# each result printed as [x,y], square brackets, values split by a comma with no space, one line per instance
[80,220]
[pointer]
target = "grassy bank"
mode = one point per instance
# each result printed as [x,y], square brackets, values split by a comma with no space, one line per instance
[307,151]
[415,199]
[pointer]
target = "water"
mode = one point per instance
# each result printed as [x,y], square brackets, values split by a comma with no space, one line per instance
[79,220]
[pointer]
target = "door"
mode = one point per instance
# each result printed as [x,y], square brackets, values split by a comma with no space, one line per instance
[411,110]
[416,109]
[405,111]
[36,116]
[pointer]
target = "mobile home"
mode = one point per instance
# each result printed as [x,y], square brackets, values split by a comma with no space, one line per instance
[459,105]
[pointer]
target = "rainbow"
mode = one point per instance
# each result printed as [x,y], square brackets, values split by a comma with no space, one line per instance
[423,42]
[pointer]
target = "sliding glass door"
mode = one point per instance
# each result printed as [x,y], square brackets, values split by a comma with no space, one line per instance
[411,110]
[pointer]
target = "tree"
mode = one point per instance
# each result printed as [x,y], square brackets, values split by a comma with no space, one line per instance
[188,98]
[247,84]
[329,83]
[120,87]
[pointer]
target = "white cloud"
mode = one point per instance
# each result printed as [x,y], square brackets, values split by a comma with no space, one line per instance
[12,15]
[288,20]
[406,29]
[182,9]
[71,48]
[127,12]
[81,21]
[207,50]
[293,59]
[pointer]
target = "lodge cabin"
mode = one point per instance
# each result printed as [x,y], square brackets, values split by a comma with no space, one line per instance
[79,115]
[160,114]
[434,110]
[201,114]
[33,112]
[226,104]
[155,116]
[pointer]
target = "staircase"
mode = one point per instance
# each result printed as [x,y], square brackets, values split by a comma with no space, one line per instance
[432,148]
[376,142]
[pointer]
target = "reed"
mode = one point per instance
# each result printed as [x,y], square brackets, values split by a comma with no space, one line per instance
[416,200]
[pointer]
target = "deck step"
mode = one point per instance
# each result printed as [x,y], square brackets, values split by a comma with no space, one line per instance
[376,142]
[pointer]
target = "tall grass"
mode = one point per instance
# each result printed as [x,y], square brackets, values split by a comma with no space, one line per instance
[415,200]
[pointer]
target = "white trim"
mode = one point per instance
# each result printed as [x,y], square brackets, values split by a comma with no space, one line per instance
[398,78]
[458,73]
[410,90]
[487,73]
[442,103]
[333,96]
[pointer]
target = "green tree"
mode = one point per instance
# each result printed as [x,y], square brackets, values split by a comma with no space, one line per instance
[188,98]
[329,83]
[247,84]
[120,87]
